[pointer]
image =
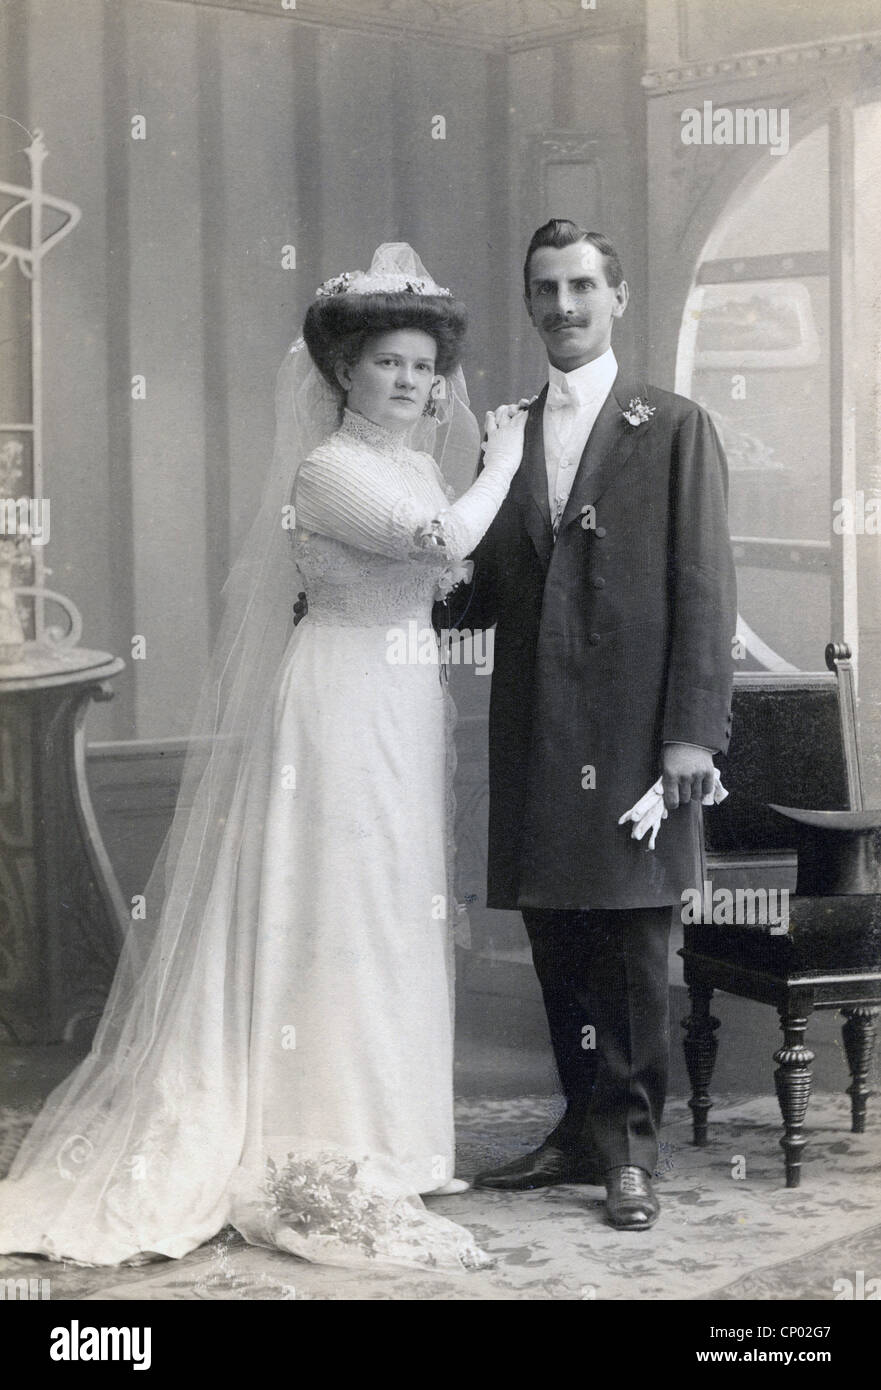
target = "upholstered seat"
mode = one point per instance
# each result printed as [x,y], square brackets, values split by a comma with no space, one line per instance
[793,745]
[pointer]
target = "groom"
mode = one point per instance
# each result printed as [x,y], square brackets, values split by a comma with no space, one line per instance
[608,574]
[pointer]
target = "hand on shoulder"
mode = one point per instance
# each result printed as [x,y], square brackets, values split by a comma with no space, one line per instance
[505,427]
[507,417]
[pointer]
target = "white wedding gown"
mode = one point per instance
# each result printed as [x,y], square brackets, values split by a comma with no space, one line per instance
[300,1079]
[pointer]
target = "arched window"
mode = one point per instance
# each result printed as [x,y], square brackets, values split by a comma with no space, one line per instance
[780,339]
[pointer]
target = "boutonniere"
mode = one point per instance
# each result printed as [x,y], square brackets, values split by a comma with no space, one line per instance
[638,411]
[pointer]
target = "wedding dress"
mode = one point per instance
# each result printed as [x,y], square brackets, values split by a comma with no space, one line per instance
[284,1062]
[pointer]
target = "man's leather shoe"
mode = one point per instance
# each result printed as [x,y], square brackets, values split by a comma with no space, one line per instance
[631,1204]
[546,1166]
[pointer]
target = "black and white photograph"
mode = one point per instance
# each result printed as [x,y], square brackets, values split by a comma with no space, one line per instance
[440,662]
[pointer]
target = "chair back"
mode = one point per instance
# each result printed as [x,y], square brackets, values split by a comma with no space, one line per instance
[793,742]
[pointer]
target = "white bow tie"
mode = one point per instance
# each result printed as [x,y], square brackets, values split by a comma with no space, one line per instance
[559,397]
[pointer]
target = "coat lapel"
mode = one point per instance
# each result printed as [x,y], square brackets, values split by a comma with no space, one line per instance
[531,485]
[609,446]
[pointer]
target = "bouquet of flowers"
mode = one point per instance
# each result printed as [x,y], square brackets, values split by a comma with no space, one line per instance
[321,1196]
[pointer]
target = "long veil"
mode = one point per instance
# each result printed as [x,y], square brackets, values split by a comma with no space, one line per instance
[114,1135]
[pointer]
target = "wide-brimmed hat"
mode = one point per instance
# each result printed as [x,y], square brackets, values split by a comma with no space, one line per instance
[395,293]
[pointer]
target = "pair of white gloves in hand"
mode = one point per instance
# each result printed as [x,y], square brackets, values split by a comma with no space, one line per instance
[650,810]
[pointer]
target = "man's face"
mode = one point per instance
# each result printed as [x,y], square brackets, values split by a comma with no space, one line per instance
[572,304]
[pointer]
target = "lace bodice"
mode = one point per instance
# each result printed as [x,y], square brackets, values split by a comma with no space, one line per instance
[364,505]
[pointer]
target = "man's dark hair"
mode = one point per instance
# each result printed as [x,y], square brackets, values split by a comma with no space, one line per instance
[560,232]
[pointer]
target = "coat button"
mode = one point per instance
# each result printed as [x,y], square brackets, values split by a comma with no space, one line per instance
[593,638]
[599,531]
[599,583]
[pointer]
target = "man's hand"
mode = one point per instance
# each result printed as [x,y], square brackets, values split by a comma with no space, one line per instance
[301,608]
[687,775]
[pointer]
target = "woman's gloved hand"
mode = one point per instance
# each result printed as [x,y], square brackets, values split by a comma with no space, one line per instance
[505,427]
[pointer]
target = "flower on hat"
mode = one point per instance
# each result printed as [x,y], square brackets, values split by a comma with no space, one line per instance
[338,284]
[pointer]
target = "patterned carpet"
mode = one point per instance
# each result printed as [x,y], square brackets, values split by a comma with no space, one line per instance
[719,1236]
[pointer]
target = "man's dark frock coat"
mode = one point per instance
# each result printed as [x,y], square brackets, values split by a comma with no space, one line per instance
[609,641]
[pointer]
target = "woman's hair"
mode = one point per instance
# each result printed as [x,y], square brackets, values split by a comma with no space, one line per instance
[337,327]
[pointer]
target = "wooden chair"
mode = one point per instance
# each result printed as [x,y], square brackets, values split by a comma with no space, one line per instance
[793,742]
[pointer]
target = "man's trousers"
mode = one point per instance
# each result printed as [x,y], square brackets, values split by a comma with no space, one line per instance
[603,974]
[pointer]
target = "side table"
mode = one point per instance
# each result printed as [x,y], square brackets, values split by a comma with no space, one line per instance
[62,915]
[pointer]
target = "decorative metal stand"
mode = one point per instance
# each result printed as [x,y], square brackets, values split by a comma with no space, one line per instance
[61,912]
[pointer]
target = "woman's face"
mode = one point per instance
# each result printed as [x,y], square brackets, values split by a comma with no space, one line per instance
[392,379]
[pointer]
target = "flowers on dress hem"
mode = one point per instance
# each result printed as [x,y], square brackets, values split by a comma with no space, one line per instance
[638,411]
[323,1195]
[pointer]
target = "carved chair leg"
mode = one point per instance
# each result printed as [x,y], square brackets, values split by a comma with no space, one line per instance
[700,1046]
[793,1083]
[859,1044]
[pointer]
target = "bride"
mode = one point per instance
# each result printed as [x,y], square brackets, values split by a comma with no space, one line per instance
[276,1053]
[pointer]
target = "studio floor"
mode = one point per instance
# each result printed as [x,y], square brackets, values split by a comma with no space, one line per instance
[720,1236]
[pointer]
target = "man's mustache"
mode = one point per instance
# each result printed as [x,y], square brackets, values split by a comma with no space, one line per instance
[550,324]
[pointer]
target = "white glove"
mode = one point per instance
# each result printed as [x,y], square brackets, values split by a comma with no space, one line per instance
[646,815]
[457,529]
[503,448]
[650,810]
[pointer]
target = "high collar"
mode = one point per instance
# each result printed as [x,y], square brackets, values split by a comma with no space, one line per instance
[374,436]
[585,384]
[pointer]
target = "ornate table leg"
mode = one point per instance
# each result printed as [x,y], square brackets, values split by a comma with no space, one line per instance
[859,1044]
[793,1082]
[700,1046]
